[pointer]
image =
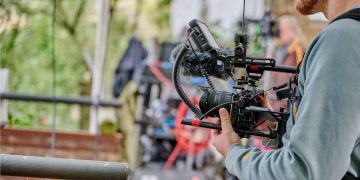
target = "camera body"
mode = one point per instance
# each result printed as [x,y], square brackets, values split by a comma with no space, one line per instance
[241,117]
[237,104]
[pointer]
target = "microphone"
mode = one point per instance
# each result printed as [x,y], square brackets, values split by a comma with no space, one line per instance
[193,64]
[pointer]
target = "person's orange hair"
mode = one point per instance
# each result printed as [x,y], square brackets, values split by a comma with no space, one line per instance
[306,6]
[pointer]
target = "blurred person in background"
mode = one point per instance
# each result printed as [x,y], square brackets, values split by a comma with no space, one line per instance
[289,53]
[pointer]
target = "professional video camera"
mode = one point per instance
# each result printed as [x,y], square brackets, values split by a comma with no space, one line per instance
[245,107]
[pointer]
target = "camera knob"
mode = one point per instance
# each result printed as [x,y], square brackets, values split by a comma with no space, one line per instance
[239,50]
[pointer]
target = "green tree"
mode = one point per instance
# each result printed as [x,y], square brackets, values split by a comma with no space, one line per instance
[26,43]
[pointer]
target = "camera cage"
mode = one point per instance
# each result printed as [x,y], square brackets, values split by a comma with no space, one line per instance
[200,35]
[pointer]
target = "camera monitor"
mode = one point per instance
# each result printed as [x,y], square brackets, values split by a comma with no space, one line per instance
[202,36]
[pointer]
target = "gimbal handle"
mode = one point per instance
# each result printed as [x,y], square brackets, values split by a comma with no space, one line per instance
[199,123]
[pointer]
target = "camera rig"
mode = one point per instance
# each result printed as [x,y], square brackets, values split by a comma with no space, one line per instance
[244,107]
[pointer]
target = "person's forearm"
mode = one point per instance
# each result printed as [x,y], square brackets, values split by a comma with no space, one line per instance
[326,129]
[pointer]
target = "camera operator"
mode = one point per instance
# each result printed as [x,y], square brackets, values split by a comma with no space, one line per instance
[323,131]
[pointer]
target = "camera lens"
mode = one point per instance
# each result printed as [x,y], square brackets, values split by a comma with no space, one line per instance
[213,98]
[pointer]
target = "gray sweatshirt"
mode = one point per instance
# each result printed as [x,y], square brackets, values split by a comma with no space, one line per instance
[324,142]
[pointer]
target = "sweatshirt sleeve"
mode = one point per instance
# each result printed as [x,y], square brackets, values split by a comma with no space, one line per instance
[328,122]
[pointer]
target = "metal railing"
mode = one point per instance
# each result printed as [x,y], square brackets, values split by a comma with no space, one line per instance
[65,100]
[45,167]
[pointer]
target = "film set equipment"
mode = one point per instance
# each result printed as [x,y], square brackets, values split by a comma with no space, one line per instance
[200,55]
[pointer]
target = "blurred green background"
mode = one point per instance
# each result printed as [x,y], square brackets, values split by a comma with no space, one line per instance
[26,44]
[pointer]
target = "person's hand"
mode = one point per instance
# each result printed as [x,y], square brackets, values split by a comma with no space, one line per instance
[227,137]
[264,124]
[264,100]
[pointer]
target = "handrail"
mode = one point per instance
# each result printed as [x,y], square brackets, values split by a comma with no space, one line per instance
[66,100]
[58,168]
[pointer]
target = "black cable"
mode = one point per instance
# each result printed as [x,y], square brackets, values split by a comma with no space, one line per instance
[180,91]
[243,20]
[203,71]
[296,77]
[262,122]
[177,85]
[53,58]
[214,108]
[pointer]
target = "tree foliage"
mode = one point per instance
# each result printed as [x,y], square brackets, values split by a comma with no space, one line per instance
[26,43]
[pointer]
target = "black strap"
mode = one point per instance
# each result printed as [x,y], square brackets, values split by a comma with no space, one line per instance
[352,14]
[349,176]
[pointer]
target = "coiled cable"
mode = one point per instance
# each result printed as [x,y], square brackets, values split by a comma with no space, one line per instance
[177,85]
[203,71]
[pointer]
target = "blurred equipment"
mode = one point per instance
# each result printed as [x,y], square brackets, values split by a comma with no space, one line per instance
[162,142]
[132,58]
[126,117]
[190,141]
[289,52]
[152,136]
[165,51]
[126,86]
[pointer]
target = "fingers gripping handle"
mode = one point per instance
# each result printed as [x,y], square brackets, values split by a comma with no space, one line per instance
[204,124]
[199,123]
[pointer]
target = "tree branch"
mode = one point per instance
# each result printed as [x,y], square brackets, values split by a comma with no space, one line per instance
[78,14]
